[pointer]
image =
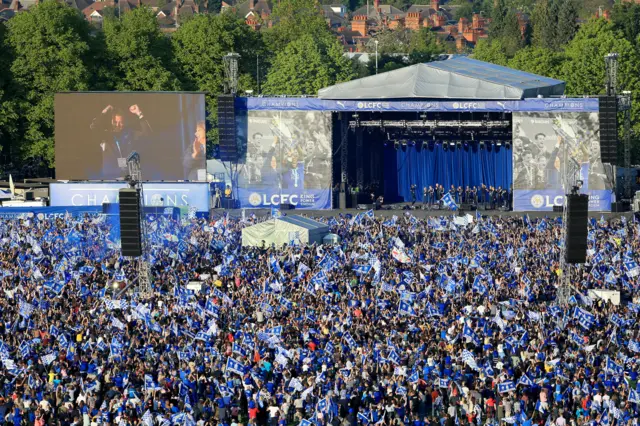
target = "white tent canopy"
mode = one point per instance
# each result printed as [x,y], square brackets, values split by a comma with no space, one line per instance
[456,77]
[285,230]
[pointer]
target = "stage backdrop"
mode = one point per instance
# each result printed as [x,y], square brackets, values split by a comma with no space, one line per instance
[539,140]
[95,132]
[468,166]
[288,160]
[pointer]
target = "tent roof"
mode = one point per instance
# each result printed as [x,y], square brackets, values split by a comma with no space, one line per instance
[303,222]
[456,77]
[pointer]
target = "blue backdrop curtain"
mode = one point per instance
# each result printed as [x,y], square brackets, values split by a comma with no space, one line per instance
[423,166]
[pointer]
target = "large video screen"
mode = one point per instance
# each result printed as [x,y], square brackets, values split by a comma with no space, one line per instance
[96,132]
[539,143]
[288,160]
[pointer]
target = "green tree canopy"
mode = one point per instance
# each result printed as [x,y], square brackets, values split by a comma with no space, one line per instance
[626,18]
[294,19]
[306,65]
[567,22]
[538,60]
[423,46]
[138,54]
[52,53]
[199,46]
[584,69]
[491,51]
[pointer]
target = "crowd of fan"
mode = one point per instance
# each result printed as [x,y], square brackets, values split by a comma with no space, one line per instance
[406,321]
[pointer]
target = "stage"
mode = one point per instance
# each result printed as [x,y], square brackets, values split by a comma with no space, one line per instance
[419,213]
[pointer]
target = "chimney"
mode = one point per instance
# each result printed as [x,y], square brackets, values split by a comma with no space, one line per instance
[462,24]
[251,5]
[435,5]
[376,4]
[475,22]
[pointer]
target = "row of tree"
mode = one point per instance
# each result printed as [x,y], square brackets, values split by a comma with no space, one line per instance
[553,45]
[53,49]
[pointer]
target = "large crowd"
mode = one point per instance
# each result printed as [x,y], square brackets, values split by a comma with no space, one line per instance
[406,321]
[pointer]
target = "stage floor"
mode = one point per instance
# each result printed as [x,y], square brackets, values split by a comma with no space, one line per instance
[419,213]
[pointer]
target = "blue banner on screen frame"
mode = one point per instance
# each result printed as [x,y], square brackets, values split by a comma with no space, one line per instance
[310,199]
[47,212]
[167,194]
[544,200]
[313,104]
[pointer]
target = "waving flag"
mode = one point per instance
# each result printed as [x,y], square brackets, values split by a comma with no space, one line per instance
[26,309]
[632,268]
[235,366]
[405,308]
[507,386]
[525,380]
[634,396]
[448,201]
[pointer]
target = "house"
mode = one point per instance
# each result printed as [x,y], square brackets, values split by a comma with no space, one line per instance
[168,15]
[255,13]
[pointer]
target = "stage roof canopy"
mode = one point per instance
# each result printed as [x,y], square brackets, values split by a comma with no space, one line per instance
[457,77]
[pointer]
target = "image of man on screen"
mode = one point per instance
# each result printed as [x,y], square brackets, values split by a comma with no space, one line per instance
[195,157]
[118,134]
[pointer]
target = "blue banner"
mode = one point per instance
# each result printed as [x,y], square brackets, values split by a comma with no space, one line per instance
[545,199]
[47,212]
[167,194]
[312,199]
[313,104]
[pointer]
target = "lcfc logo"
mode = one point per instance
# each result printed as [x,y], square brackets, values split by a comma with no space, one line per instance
[360,105]
[254,199]
[537,201]
[456,105]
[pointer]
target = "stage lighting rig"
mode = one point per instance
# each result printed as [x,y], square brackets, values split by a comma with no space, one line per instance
[396,144]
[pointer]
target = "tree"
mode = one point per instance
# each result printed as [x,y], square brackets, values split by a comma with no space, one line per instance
[423,46]
[199,46]
[544,25]
[626,18]
[465,10]
[490,51]
[538,60]
[567,22]
[138,54]
[584,68]
[295,18]
[498,16]
[306,65]
[511,35]
[8,111]
[51,48]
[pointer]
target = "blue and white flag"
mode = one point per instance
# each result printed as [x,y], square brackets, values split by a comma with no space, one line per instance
[443,383]
[585,318]
[634,396]
[632,268]
[235,366]
[350,340]
[26,309]
[507,386]
[613,367]
[48,359]
[405,308]
[394,357]
[448,201]
[525,380]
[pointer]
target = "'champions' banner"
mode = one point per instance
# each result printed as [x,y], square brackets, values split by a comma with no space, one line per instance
[288,160]
[540,140]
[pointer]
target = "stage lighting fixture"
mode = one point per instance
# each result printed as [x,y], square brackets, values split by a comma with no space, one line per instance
[507,145]
[412,143]
[396,144]
[385,143]
[452,143]
[499,143]
[459,145]
[425,144]
[356,117]
[481,144]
